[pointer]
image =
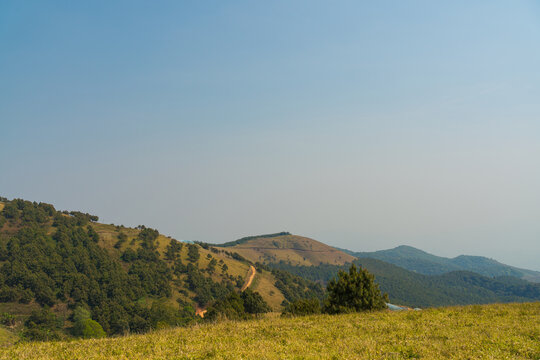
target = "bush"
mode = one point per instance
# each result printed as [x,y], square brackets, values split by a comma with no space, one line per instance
[238,306]
[42,325]
[84,326]
[254,303]
[232,308]
[91,329]
[302,307]
[193,253]
[122,238]
[353,292]
[7,319]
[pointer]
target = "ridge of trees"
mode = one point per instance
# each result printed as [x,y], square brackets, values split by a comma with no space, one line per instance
[247,238]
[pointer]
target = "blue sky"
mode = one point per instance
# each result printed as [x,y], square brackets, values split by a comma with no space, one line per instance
[365,125]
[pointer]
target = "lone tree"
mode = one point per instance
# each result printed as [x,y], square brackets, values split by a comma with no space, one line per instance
[354,291]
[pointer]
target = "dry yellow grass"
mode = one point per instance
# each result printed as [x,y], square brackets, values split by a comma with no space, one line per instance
[472,332]
[7,337]
[295,249]
[264,284]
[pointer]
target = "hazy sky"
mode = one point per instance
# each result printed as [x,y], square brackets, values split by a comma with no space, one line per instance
[363,125]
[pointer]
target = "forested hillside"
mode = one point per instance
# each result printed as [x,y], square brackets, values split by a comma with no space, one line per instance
[417,290]
[64,274]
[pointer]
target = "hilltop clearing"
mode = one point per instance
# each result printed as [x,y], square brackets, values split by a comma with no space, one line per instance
[287,248]
[472,332]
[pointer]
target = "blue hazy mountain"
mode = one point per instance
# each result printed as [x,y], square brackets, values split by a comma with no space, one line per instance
[419,261]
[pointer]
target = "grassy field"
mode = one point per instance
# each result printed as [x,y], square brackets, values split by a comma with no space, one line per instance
[473,332]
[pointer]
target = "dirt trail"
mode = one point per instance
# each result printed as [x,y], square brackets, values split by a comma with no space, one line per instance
[251,276]
[200,311]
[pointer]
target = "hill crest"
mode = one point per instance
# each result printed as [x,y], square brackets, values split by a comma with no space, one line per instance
[288,248]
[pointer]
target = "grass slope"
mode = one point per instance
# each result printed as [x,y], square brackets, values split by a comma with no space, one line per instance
[288,248]
[7,337]
[475,332]
[108,235]
[422,262]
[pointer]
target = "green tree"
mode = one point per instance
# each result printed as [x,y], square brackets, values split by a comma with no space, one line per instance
[303,307]
[254,303]
[11,211]
[173,249]
[354,291]
[84,326]
[193,253]
[232,308]
[122,238]
[212,266]
[42,325]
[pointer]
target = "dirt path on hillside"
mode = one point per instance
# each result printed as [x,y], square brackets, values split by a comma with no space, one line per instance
[251,276]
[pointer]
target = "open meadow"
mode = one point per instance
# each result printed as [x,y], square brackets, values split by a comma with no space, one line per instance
[497,331]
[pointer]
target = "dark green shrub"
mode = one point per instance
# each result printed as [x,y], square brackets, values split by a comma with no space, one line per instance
[254,303]
[302,307]
[42,325]
[354,291]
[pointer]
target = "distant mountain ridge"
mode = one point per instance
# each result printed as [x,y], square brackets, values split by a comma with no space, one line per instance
[422,262]
[410,288]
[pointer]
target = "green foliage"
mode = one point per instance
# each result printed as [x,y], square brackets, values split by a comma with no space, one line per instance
[148,237]
[91,329]
[84,326]
[11,211]
[254,303]
[418,290]
[205,288]
[212,266]
[302,307]
[294,287]
[237,256]
[154,274]
[247,238]
[122,238]
[42,325]
[236,306]
[173,250]
[354,291]
[69,266]
[193,253]
[7,319]
[129,255]
[164,315]
[231,307]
